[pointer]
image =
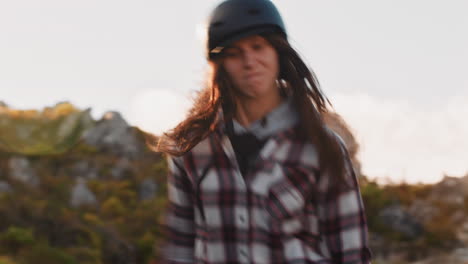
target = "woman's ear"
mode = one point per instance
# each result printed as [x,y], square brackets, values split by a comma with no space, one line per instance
[284,87]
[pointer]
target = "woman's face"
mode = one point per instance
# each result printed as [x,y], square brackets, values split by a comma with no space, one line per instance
[253,67]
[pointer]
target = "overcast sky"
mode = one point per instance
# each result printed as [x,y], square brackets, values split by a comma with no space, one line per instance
[397,70]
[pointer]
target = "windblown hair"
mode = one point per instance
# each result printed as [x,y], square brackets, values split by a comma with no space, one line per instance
[295,79]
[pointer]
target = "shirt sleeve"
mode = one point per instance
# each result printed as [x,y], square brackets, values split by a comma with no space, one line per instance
[343,221]
[179,225]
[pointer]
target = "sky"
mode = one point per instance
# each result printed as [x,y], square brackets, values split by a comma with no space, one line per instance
[396,70]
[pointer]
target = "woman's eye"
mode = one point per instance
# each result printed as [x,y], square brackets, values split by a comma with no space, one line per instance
[257,46]
[230,53]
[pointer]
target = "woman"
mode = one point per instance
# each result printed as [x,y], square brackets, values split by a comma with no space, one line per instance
[255,174]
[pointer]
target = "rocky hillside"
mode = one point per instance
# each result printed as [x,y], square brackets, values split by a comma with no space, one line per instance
[78,190]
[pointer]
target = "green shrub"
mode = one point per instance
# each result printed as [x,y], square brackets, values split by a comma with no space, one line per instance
[43,253]
[44,133]
[6,260]
[160,167]
[145,247]
[85,255]
[375,199]
[113,207]
[15,238]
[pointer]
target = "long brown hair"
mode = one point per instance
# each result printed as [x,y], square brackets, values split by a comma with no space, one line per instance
[295,79]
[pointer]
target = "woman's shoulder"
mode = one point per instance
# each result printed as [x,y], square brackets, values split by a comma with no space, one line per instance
[202,148]
[334,135]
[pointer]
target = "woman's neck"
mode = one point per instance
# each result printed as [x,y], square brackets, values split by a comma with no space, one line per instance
[253,109]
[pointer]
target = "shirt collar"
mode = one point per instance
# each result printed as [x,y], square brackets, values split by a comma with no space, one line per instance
[279,119]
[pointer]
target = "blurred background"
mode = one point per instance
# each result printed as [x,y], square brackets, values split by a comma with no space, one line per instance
[396,71]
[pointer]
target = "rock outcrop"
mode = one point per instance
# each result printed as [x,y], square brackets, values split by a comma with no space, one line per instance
[84,169]
[21,170]
[396,218]
[81,195]
[5,187]
[112,134]
[148,189]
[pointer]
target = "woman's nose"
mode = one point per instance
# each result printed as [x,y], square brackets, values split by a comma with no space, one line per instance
[249,59]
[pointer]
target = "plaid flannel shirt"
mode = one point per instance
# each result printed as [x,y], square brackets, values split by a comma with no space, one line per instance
[217,215]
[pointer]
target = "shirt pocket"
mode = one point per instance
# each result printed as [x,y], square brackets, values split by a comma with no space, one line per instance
[287,205]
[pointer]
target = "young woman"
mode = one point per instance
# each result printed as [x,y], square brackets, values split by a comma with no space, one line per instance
[255,174]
